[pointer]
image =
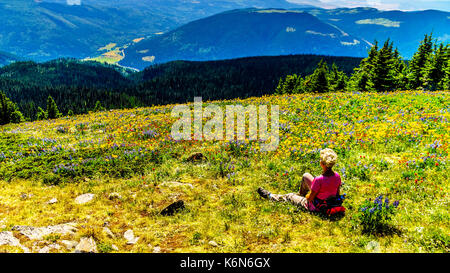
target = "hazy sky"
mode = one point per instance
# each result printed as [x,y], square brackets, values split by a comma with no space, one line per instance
[382,4]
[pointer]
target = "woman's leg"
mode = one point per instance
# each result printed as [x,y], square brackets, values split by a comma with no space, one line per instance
[293,198]
[306,184]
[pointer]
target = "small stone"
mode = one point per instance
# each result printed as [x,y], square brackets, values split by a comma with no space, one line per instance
[84,198]
[129,236]
[52,201]
[86,245]
[213,243]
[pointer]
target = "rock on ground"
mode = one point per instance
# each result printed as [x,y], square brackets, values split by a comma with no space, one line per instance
[7,238]
[86,245]
[84,198]
[129,236]
[37,233]
[173,208]
[69,244]
[52,201]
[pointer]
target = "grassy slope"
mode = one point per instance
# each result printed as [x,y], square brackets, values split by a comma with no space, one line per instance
[380,139]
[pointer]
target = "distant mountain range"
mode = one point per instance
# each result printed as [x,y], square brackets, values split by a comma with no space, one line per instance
[144,32]
[47,29]
[248,32]
[252,32]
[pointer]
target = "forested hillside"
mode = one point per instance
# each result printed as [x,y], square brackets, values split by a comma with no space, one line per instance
[77,86]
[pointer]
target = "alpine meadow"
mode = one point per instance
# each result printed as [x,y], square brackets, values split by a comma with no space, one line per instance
[89,162]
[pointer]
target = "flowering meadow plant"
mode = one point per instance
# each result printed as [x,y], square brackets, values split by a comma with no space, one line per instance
[374,216]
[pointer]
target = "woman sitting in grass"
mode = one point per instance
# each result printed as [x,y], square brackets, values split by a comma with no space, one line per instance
[313,190]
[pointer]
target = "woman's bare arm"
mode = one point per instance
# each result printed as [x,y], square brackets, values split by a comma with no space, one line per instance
[311,195]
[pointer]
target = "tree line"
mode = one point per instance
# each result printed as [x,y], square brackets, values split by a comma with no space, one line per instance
[382,70]
[77,87]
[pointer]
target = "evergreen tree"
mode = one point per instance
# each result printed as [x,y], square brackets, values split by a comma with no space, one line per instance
[338,79]
[41,114]
[418,63]
[52,109]
[362,75]
[435,68]
[98,107]
[319,79]
[445,82]
[9,111]
[289,85]
[383,73]
[279,89]
[401,72]
[299,86]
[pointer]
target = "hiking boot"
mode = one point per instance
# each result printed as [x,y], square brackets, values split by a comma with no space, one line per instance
[263,193]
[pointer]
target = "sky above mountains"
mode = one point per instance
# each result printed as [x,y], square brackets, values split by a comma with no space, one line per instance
[406,5]
[381,4]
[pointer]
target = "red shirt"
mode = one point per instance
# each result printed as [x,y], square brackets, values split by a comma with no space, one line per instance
[326,186]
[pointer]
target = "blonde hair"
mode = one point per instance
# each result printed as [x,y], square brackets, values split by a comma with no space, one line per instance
[328,157]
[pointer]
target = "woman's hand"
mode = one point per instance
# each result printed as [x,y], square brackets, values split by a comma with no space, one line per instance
[311,195]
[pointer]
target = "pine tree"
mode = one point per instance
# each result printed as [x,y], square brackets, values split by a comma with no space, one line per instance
[289,85]
[401,72]
[362,75]
[98,107]
[435,68]
[9,111]
[383,74]
[319,79]
[445,82]
[41,114]
[299,86]
[418,63]
[52,108]
[279,89]
[338,79]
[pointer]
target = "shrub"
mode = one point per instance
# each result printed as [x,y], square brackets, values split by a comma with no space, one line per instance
[374,216]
